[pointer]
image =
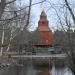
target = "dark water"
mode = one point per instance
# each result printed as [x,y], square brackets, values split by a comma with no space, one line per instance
[30,70]
[18,70]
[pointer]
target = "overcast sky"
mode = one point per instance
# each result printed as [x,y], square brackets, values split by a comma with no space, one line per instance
[51,14]
[36,11]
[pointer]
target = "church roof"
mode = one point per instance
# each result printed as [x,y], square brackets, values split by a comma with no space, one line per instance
[43,13]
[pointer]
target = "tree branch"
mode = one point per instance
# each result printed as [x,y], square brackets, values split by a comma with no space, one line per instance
[10,2]
[70,10]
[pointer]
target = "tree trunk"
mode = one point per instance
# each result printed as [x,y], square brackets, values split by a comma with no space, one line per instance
[2,6]
[73,72]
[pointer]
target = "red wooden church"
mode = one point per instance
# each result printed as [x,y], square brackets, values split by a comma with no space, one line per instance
[44,31]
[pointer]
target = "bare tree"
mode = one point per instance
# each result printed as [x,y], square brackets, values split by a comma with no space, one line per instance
[67,23]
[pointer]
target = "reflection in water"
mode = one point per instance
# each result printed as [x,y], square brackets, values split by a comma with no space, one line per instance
[60,71]
[30,70]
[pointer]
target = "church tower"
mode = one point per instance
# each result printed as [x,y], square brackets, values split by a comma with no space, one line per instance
[44,30]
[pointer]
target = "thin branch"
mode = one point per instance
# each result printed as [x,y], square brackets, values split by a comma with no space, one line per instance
[70,10]
[20,10]
[57,15]
[27,6]
[10,2]
[29,14]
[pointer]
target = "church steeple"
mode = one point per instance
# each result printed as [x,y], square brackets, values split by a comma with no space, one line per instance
[43,16]
[43,22]
[43,13]
[44,30]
